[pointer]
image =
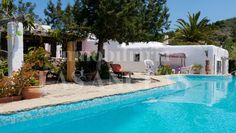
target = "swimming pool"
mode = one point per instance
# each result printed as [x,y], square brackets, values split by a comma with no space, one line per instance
[194,104]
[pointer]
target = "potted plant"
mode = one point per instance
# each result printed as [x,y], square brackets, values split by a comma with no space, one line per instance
[8,92]
[196,68]
[25,81]
[164,70]
[34,90]
[40,58]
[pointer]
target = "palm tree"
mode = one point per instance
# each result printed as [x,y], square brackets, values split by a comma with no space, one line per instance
[194,31]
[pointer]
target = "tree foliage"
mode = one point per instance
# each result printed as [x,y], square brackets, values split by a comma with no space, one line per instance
[54,14]
[9,9]
[195,30]
[224,35]
[156,19]
[122,20]
[65,26]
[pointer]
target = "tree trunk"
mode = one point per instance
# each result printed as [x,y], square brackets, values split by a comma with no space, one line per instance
[70,61]
[99,58]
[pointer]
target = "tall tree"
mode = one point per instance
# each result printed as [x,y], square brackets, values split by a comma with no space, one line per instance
[54,14]
[156,19]
[65,26]
[193,31]
[123,20]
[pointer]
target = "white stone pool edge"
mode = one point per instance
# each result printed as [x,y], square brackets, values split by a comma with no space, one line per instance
[58,94]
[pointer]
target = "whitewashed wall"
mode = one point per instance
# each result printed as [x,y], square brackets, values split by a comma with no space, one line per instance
[195,54]
[89,46]
[124,54]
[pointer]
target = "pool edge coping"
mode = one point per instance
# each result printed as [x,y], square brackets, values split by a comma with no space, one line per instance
[170,82]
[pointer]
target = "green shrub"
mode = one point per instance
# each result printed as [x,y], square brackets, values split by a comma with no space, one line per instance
[104,72]
[89,63]
[196,68]
[164,70]
[39,57]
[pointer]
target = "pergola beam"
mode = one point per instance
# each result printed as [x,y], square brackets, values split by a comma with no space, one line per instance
[6,20]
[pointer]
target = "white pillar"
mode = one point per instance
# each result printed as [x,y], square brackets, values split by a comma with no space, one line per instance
[47,47]
[15,46]
[59,51]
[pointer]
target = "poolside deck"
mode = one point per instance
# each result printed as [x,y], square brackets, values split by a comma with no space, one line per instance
[64,93]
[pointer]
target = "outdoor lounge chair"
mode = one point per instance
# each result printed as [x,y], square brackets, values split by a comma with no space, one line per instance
[149,66]
[117,69]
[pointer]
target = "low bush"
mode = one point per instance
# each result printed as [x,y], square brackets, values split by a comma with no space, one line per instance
[104,72]
[196,68]
[39,57]
[88,63]
[164,70]
[7,87]
[13,86]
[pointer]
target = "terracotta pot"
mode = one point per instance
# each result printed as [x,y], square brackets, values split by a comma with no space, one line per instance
[42,77]
[207,69]
[196,72]
[91,76]
[32,92]
[10,99]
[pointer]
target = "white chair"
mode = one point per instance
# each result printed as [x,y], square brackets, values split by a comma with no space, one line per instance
[149,66]
[186,70]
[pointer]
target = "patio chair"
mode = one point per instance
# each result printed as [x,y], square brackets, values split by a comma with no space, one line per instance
[117,69]
[186,70]
[149,66]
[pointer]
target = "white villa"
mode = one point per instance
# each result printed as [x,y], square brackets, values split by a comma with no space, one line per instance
[131,57]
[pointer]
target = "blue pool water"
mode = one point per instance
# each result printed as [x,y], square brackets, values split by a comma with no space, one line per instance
[195,104]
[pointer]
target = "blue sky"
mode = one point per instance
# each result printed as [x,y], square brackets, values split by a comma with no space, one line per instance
[214,9]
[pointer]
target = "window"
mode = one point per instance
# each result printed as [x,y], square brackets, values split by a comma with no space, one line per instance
[136,57]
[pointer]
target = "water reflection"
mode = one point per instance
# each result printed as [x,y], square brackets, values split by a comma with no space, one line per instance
[199,90]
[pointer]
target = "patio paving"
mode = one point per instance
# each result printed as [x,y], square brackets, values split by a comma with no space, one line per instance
[64,93]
